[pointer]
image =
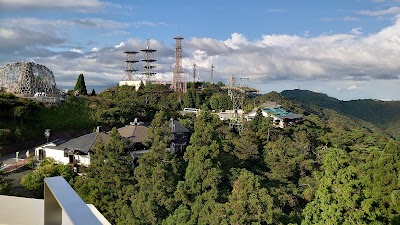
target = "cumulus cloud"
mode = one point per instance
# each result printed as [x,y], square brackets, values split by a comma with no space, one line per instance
[335,57]
[350,56]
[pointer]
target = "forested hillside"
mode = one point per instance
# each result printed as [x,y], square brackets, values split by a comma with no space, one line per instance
[383,114]
[329,169]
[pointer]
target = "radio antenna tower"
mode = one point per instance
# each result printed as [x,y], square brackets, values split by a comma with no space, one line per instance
[178,81]
[130,69]
[194,73]
[212,74]
[148,67]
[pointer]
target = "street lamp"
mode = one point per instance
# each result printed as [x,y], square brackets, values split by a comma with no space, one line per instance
[47,134]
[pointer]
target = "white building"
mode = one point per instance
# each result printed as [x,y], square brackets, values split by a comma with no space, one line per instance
[280,117]
[135,83]
[74,151]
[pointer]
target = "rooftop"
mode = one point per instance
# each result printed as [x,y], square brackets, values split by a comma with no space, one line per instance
[84,143]
[135,133]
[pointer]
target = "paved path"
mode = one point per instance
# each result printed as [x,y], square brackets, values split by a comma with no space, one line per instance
[12,167]
[10,163]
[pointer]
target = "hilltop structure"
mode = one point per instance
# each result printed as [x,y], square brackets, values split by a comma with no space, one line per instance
[280,117]
[148,74]
[27,78]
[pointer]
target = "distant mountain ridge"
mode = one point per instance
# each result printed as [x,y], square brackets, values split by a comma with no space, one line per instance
[383,114]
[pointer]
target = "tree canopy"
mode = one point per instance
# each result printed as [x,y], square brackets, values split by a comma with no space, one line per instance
[81,85]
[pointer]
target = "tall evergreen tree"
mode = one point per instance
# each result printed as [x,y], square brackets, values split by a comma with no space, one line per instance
[189,100]
[152,197]
[108,174]
[249,203]
[80,85]
[199,190]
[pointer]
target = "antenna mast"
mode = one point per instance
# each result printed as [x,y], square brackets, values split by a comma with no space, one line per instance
[178,81]
[194,73]
[212,74]
[148,67]
[130,69]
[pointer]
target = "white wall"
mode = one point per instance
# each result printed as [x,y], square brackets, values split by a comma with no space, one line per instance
[83,159]
[57,155]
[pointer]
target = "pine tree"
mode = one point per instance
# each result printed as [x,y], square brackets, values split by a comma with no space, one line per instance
[80,85]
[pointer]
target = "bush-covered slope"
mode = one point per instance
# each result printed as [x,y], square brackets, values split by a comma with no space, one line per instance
[383,114]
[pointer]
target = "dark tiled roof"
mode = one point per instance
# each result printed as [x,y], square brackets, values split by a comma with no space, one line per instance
[84,143]
[177,127]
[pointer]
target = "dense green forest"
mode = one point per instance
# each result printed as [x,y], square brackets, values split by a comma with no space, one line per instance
[330,169]
[383,114]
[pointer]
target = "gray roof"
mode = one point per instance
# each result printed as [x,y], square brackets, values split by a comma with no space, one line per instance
[177,127]
[58,141]
[84,143]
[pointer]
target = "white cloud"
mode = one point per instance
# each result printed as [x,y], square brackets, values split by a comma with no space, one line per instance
[280,59]
[352,87]
[350,18]
[346,18]
[119,45]
[76,50]
[391,10]
[81,5]
[236,41]
[357,31]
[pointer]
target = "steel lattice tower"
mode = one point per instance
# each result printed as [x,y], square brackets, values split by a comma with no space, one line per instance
[130,69]
[178,81]
[148,67]
[237,97]
[194,73]
[212,74]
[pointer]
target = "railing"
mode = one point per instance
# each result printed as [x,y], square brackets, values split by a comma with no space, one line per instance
[59,197]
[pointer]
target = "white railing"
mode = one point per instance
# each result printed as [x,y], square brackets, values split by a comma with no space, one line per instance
[59,198]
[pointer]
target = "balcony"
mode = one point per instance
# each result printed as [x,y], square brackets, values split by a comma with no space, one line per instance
[61,205]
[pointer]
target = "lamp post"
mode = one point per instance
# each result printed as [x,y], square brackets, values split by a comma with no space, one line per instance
[47,134]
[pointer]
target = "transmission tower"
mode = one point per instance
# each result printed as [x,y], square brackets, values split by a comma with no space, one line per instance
[148,67]
[178,81]
[237,93]
[212,73]
[194,73]
[130,69]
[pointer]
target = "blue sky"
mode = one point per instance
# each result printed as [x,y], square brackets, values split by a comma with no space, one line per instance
[348,49]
